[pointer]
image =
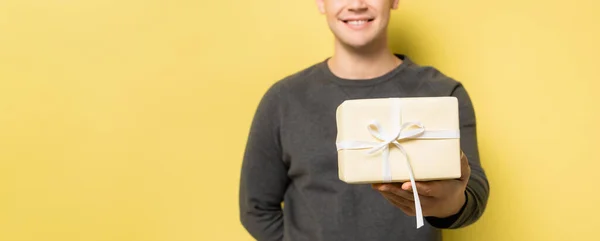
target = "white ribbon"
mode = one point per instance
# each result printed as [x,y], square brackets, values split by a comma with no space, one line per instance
[393,137]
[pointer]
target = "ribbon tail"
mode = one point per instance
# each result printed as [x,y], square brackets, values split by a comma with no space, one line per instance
[352,145]
[387,173]
[418,211]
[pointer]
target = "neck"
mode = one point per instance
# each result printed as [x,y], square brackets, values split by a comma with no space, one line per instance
[365,63]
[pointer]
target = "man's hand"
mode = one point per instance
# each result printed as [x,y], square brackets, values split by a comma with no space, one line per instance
[439,199]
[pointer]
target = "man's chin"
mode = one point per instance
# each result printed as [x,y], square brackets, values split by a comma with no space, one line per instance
[358,45]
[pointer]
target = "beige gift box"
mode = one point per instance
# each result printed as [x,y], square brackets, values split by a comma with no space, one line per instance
[424,129]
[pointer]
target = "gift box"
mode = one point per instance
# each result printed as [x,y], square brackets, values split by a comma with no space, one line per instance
[391,139]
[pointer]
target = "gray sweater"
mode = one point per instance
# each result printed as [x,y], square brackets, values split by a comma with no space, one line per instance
[289,187]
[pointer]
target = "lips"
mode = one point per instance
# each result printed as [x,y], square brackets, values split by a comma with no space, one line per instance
[354,20]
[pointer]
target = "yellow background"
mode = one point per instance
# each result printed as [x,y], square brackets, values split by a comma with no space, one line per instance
[126,120]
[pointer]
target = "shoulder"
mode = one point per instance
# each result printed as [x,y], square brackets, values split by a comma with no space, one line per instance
[297,82]
[303,77]
[441,84]
[437,81]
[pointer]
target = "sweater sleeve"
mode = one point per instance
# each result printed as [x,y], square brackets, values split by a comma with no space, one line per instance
[263,178]
[477,191]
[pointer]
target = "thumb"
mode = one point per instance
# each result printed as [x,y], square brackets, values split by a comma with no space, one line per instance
[465,168]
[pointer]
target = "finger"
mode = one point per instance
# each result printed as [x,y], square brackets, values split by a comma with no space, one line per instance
[386,187]
[396,190]
[381,186]
[465,168]
[398,200]
[426,201]
[429,188]
[406,206]
[407,210]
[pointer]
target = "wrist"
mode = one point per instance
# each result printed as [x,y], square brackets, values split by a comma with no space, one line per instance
[461,203]
[447,221]
[457,206]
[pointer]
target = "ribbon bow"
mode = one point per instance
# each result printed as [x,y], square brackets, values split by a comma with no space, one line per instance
[401,134]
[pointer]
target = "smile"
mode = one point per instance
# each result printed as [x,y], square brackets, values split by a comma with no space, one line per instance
[357,23]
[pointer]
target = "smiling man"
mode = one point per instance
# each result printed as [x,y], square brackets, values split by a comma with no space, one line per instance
[291,154]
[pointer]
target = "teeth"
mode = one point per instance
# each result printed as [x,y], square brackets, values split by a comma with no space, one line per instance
[357,22]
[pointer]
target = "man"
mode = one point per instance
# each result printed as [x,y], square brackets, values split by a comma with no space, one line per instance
[289,187]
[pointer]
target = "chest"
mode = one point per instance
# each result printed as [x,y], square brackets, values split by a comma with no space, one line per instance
[309,127]
[308,136]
